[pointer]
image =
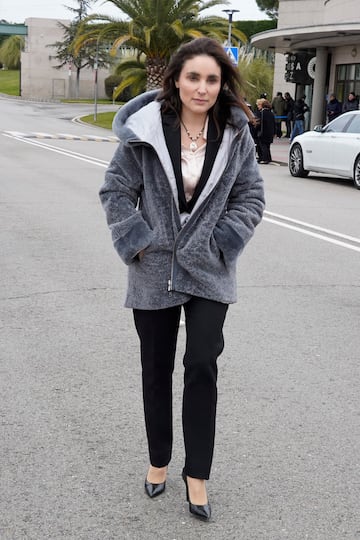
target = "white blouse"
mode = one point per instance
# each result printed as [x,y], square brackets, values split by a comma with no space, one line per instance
[191,166]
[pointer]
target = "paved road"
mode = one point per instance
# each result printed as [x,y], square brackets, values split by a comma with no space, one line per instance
[72,445]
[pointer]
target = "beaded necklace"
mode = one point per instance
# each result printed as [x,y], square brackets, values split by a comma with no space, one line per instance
[193,146]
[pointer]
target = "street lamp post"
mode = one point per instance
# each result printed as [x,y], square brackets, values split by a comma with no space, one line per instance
[230,13]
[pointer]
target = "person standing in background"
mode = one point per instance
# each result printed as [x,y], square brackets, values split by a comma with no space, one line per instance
[289,113]
[352,103]
[300,108]
[278,106]
[333,108]
[265,130]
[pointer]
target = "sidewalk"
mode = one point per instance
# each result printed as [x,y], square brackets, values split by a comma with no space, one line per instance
[279,151]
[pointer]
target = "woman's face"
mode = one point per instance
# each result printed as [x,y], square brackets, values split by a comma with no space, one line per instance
[199,84]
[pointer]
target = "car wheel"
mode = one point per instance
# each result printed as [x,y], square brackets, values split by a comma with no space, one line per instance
[296,161]
[357,173]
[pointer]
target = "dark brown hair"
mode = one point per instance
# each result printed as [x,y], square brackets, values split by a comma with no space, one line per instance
[231,81]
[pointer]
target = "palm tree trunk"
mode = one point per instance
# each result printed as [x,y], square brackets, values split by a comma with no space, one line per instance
[155,69]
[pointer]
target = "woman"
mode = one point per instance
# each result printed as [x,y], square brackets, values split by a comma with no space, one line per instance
[182,196]
[289,111]
[265,130]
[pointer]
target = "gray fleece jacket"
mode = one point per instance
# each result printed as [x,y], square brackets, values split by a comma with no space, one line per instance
[140,199]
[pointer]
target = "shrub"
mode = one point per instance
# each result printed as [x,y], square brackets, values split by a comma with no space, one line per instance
[112,82]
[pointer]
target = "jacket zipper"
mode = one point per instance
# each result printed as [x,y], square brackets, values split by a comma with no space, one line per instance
[171,279]
[170,282]
[176,235]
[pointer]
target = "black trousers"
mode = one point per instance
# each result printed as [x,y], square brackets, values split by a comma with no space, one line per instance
[158,330]
[278,130]
[289,127]
[264,153]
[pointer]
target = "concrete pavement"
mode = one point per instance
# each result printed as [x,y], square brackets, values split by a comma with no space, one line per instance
[279,151]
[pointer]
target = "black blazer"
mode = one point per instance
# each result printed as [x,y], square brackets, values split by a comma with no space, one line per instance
[172,135]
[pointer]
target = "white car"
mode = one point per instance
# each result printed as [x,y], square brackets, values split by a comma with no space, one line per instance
[332,149]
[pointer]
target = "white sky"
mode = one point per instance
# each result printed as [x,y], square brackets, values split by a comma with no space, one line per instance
[16,11]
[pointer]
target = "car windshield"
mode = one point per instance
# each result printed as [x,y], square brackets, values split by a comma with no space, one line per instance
[339,124]
[354,126]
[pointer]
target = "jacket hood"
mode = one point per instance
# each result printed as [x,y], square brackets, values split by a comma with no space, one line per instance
[121,119]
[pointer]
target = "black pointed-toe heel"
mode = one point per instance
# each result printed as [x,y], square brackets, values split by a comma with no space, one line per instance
[153,490]
[201,511]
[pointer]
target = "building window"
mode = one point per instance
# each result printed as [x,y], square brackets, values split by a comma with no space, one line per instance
[347,80]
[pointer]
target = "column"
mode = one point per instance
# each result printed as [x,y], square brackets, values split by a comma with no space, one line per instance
[318,102]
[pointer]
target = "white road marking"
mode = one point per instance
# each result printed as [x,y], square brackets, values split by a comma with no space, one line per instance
[310,231]
[61,136]
[310,226]
[69,153]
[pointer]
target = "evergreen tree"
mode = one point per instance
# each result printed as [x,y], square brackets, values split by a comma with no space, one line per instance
[86,56]
[271,7]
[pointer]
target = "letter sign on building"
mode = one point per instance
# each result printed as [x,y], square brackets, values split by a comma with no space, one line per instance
[298,70]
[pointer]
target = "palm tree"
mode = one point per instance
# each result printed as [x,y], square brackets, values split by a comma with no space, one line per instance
[154,30]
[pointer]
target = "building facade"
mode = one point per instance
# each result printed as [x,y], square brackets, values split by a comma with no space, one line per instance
[317,51]
[39,77]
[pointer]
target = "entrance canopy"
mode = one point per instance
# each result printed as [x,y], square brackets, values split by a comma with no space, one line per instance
[308,37]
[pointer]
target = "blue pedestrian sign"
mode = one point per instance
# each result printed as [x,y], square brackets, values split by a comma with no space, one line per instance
[233,54]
